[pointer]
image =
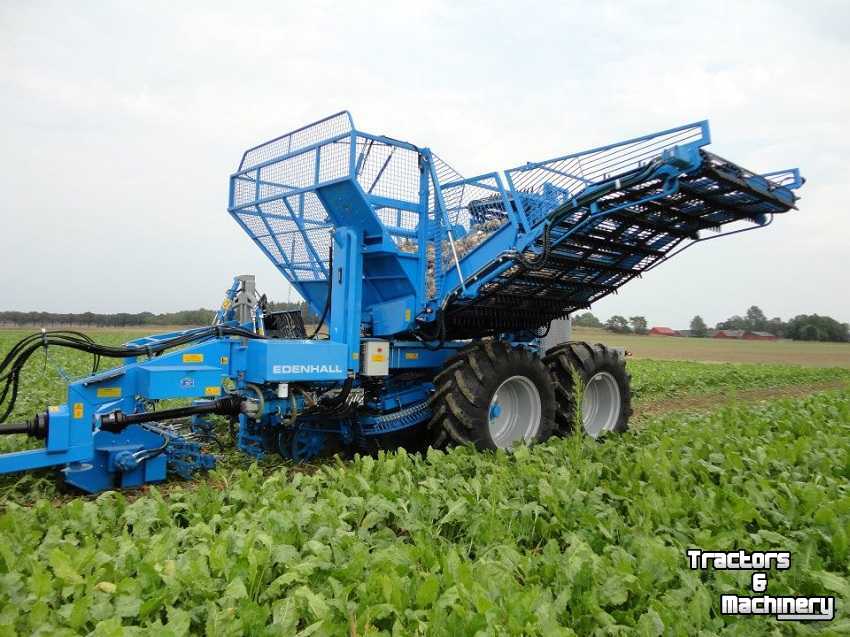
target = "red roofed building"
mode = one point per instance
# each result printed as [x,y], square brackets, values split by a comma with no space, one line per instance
[664,331]
[729,334]
[759,336]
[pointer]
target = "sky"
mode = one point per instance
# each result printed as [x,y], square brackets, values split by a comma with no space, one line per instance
[121,122]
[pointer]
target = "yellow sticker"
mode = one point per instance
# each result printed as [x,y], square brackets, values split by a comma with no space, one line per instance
[212,391]
[378,358]
[411,356]
[407,314]
[52,409]
[223,360]
[355,356]
[225,304]
[193,358]
[78,411]
[109,392]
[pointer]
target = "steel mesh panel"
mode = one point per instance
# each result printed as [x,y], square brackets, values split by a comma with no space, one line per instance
[271,246]
[315,133]
[255,225]
[557,180]
[310,207]
[388,171]
[334,160]
[288,174]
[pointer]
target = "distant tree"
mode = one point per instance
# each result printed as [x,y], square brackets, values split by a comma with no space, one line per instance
[698,327]
[733,323]
[587,319]
[618,324]
[776,326]
[638,324]
[811,327]
[810,332]
[756,320]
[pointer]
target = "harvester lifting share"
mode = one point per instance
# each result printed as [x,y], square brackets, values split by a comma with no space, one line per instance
[444,299]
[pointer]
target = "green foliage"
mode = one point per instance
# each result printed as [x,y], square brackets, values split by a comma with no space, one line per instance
[653,380]
[817,328]
[586,319]
[200,316]
[570,537]
[698,327]
[639,324]
[618,324]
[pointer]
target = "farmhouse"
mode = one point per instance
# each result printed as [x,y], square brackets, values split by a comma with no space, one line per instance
[759,336]
[747,335]
[729,334]
[663,331]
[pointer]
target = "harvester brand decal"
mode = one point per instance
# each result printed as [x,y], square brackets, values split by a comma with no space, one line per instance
[306,369]
[407,314]
[212,391]
[78,411]
[411,356]
[378,358]
[109,392]
[223,360]
[193,358]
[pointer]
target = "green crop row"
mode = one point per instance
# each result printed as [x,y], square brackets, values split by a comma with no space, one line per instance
[652,380]
[572,536]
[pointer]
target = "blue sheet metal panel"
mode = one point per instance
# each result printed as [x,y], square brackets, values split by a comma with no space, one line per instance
[102,472]
[346,203]
[347,293]
[392,317]
[285,361]
[180,381]
[413,355]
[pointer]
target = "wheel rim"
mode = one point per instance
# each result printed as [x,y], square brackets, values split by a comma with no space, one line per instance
[600,405]
[515,412]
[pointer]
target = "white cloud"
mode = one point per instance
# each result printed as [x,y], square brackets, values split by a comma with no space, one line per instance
[120,124]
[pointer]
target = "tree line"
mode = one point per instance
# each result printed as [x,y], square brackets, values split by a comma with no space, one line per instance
[200,316]
[803,327]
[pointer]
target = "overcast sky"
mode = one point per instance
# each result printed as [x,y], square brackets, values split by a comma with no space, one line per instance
[120,123]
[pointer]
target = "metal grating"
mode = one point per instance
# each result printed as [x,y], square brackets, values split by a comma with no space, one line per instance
[386,170]
[559,179]
[635,228]
[324,129]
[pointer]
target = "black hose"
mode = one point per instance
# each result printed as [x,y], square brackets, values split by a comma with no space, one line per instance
[330,293]
[16,358]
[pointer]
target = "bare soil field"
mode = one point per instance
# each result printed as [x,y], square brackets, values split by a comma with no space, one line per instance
[723,350]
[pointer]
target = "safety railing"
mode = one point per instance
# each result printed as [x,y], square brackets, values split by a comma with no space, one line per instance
[544,185]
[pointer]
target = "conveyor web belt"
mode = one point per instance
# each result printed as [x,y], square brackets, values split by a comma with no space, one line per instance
[609,248]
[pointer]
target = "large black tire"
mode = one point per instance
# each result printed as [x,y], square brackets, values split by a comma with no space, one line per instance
[601,364]
[466,386]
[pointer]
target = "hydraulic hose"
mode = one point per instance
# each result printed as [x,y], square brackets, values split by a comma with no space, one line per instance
[16,358]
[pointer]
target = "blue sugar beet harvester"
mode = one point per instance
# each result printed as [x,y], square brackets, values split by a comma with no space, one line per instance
[444,300]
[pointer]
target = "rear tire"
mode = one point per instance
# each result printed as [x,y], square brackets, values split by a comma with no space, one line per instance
[607,398]
[493,395]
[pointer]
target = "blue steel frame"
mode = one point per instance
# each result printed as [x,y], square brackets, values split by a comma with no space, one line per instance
[328,161]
